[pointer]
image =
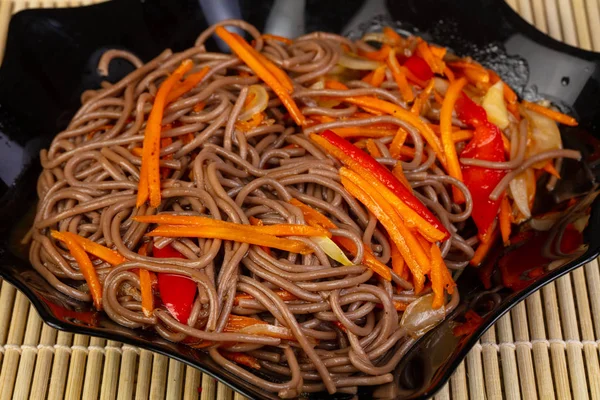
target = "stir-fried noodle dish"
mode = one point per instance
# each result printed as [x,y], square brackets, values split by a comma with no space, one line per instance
[299,208]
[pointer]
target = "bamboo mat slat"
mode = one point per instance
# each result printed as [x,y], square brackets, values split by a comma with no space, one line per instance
[546,348]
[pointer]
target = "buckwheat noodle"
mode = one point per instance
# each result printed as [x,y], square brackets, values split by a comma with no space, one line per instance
[347,331]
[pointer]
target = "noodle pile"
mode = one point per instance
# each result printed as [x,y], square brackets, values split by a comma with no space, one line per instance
[332,327]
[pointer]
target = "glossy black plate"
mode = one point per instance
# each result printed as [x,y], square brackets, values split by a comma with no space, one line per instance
[50,60]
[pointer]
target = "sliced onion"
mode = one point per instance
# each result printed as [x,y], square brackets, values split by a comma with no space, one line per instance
[520,193]
[546,221]
[419,317]
[440,85]
[259,102]
[279,332]
[544,136]
[581,223]
[378,37]
[318,85]
[357,63]
[331,249]
[494,105]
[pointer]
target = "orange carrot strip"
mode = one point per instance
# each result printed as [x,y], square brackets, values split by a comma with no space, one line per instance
[396,111]
[378,76]
[477,76]
[263,73]
[312,216]
[398,263]
[483,249]
[369,259]
[237,322]
[85,266]
[399,173]
[424,51]
[199,106]
[439,52]
[198,221]
[504,218]
[188,84]
[378,55]
[462,135]
[400,77]
[268,36]
[422,98]
[394,37]
[241,358]
[373,149]
[146,291]
[554,115]
[398,142]
[453,167]
[363,131]
[137,151]
[440,278]
[369,77]
[236,235]
[149,183]
[549,168]
[387,216]
[278,73]
[104,253]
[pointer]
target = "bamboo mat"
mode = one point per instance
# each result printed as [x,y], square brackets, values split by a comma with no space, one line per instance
[546,348]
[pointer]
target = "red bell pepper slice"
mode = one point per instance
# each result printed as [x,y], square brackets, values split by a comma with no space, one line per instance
[176,292]
[486,145]
[385,176]
[419,67]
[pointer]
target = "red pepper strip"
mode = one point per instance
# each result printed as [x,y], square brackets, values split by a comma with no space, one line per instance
[419,67]
[177,292]
[353,156]
[486,145]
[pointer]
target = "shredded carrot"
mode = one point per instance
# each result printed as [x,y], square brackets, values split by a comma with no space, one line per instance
[253,122]
[462,135]
[449,74]
[504,218]
[373,149]
[388,217]
[241,358]
[237,322]
[363,131]
[378,55]
[149,183]
[514,110]
[378,76]
[249,58]
[554,115]
[188,84]
[398,142]
[424,51]
[369,102]
[394,38]
[312,216]
[199,106]
[282,294]
[233,234]
[400,77]
[417,106]
[252,326]
[103,253]
[425,245]
[199,221]
[549,168]
[439,52]
[399,173]
[146,291]
[477,76]
[440,277]
[278,73]
[398,263]
[268,36]
[483,249]
[505,143]
[369,259]
[453,166]
[85,266]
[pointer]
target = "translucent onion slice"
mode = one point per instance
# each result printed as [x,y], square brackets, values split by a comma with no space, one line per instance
[520,191]
[544,135]
[258,103]
[278,332]
[357,63]
[419,317]
[332,250]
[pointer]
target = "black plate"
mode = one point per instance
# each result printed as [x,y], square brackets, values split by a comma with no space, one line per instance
[50,60]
